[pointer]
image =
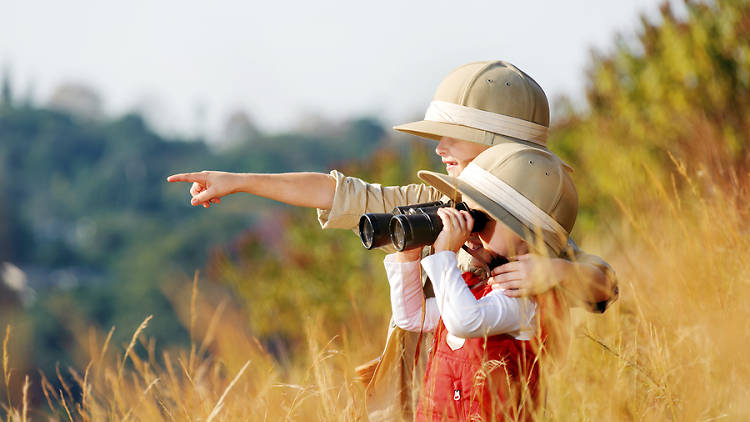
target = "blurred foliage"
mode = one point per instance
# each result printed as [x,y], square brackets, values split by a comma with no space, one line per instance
[89,218]
[290,266]
[679,87]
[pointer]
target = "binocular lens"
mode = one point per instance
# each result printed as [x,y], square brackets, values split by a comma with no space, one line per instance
[398,234]
[412,230]
[373,230]
[367,234]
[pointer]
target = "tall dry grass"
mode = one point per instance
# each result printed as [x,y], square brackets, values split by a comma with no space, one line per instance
[225,375]
[673,347]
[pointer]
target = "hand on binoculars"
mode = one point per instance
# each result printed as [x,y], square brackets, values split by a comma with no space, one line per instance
[457,227]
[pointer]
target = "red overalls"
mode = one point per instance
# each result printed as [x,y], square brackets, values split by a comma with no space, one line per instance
[487,379]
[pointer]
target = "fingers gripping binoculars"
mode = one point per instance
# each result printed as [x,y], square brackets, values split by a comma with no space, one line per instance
[410,226]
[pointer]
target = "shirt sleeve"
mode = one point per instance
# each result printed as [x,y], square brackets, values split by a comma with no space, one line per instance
[407,298]
[575,254]
[354,197]
[467,317]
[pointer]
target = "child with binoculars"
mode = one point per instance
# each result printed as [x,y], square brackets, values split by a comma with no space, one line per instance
[476,106]
[484,361]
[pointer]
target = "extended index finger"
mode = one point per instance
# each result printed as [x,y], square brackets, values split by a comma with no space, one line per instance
[186,177]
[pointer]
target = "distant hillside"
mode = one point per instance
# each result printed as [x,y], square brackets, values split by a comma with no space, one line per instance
[89,219]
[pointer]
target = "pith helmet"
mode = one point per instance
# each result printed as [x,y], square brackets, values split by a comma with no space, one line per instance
[488,103]
[526,188]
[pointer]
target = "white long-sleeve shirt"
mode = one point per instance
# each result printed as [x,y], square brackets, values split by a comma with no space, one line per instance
[464,316]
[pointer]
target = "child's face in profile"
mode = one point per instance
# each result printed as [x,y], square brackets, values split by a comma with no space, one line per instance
[498,239]
[457,154]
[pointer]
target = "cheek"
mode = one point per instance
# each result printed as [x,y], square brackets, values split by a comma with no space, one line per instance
[464,157]
[521,246]
[483,237]
[486,234]
[468,151]
[514,243]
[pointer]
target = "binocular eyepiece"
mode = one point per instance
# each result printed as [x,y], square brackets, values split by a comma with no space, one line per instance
[410,226]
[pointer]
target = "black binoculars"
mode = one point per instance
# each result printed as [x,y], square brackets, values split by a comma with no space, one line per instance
[410,226]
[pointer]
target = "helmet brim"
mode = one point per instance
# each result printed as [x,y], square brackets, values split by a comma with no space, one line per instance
[458,189]
[436,130]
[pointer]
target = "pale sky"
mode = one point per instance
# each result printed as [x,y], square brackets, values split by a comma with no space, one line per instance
[283,60]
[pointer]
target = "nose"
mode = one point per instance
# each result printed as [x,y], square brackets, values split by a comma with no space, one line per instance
[442,147]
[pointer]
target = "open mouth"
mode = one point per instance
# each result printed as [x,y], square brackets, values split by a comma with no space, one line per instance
[483,255]
[488,257]
[473,244]
[450,163]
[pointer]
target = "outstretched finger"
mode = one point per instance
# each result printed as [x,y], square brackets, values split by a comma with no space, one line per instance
[186,177]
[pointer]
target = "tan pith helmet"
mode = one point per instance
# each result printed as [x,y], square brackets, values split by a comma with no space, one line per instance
[526,188]
[488,102]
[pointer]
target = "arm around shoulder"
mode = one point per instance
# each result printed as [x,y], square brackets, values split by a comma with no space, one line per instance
[590,281]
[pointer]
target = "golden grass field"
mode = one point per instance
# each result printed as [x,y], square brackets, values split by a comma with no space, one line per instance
[673,347]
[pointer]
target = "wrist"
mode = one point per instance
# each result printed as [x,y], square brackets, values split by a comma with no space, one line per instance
[441,248]
[563,271]
[446,244]
[408,255]
[241,182]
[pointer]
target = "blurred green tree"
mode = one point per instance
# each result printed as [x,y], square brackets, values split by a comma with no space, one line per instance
[681,87]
